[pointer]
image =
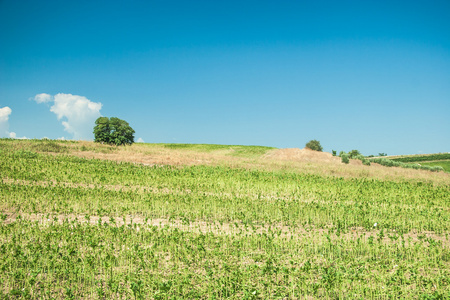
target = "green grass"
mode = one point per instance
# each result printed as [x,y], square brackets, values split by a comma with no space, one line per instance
[225,233]
[420,158]
[445,164]
[391,163]
[73,260]
[234,150]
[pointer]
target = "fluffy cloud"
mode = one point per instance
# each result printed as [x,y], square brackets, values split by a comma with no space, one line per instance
[76,113]
[43,98]
[140,140]
[4,124]
[13,135]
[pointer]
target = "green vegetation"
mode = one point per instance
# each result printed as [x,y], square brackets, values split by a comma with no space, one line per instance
[87,228]
[354,154]
[236,150]
[344,158]
[364,160]
[50,146]
[391,163]
[314,145]
[113,131]
[444,164]
[396,162]
[420,158]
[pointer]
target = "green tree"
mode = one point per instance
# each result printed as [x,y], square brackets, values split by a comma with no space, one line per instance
[102,131]
[314,145]
[354,153]
[113,131]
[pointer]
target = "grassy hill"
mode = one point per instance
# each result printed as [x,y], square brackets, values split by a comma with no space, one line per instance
[161,221]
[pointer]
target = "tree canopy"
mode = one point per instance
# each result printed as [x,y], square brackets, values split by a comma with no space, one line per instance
[113,131]
[314,145]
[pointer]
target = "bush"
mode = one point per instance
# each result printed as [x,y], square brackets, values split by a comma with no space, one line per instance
[390,163]
[354,154]
[364,160]
[314,145]
[344,158]
[333,152]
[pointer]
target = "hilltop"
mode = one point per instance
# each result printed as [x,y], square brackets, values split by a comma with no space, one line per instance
[237,156]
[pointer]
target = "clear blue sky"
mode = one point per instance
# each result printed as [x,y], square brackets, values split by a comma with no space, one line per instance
[367,75]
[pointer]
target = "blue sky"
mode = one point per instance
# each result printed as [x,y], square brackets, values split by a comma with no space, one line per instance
[367,75]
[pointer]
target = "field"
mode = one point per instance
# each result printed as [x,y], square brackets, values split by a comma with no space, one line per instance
[445,164]
[432,160]
[174,221]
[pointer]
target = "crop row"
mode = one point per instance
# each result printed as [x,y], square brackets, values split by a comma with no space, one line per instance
[323,237]
[419,158]
[393,163]
[72,260]
[218,193]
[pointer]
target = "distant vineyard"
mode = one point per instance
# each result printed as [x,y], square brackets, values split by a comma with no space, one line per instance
[391,163]
[418,158]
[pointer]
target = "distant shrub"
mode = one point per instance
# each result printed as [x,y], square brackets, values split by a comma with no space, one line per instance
[333,152]
[437,169]
[314,145]
[344,158]
[382,154]
[342,153]
[390,163]
[354,154]
[366,162]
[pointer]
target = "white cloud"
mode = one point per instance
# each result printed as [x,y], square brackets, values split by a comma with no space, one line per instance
[4,124]
[43,98]
[76,113]
[4,114]
[140,140]
[13,135]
